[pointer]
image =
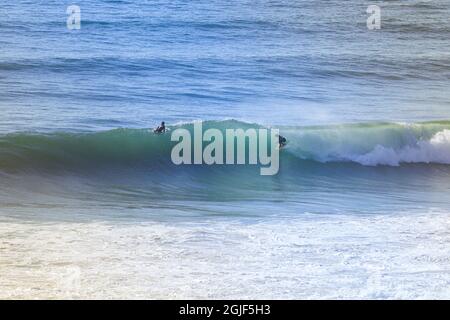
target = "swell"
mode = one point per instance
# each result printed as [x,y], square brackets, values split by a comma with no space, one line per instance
[389,144]
[378,144]
[383,68]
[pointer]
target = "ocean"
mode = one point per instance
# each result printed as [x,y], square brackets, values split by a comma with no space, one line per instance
[91,205]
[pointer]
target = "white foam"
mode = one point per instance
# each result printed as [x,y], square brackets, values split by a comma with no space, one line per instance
[402,256]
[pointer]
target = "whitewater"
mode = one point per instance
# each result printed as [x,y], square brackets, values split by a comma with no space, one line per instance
[367,202]
[371,144]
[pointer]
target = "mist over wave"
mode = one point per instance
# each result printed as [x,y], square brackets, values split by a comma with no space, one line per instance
[366,144]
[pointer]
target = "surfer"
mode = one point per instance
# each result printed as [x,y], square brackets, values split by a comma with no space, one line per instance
[281,141]
[161,128]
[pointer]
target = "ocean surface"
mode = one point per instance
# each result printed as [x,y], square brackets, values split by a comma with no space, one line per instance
[91,205]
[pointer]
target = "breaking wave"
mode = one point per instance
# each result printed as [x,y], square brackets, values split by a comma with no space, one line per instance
[387,144]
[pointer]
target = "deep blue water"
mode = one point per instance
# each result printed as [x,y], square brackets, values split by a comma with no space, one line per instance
[134,63]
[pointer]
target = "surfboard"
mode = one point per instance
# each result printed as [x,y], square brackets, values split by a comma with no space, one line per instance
[154,131]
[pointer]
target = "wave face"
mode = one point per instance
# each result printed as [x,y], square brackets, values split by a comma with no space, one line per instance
[70,150]
[388,144]
[374,144]
[349,168]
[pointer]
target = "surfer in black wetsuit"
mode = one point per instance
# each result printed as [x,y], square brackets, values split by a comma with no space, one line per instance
[161,128]
[281,141]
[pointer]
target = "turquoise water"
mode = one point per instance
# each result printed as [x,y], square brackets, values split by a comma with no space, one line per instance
[366,114]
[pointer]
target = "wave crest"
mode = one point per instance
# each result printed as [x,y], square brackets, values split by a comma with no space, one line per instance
[377,144]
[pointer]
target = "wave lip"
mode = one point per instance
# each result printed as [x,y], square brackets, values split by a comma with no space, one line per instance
[388,144]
